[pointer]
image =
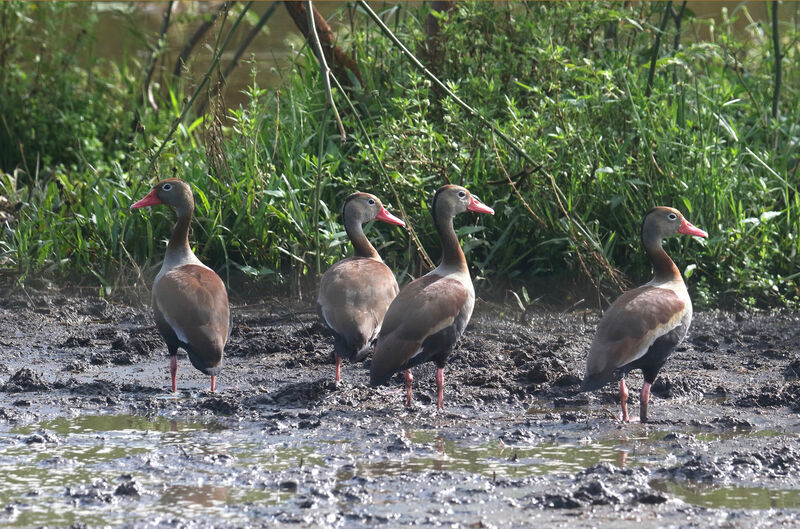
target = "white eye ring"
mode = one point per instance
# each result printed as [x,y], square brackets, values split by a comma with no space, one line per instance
[371,202]
[462,194]
[672,216]
[167,187]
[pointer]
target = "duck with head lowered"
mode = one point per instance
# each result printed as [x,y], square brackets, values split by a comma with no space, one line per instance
[190,302]
[644,325]
[355,292]
[428,316]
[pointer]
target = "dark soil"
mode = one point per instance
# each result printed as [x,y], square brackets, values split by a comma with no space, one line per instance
[90,435]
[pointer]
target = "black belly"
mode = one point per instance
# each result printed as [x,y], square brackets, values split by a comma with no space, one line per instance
[437,347]
[655,357]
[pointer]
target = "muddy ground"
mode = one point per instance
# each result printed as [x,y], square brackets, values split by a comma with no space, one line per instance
[90,436]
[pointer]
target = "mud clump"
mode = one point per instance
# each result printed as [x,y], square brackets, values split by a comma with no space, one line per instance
[303,393]
[129,488]
[76,341]
[782,461]
[547,370]
[226,405]
[97,492]
[138,346]
[792,371]
[603,484]
[25,380]
[101,387]
[732,424]
[700,468]
[771,395]
[97,307]
[770,464]
[78,364]
[543,373]
[399,444]
[596,493]
[43,437]
[264,344]
[289,485]
[671,386]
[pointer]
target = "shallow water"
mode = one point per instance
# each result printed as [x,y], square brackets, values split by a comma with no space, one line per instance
[65,470]
[730,497]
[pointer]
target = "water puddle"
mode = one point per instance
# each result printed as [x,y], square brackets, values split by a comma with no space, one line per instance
[498,460]
[68,470]
[117,423]
[730,497]
[715,436]
[431,451]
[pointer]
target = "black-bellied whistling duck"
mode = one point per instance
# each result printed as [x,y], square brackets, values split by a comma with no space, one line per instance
[355,292]
[190,302]
[644,325]
[426,319]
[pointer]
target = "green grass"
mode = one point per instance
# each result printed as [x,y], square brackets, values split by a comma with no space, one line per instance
[565,81]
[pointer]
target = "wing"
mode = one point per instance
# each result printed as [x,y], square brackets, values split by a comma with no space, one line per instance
[423,308]
[353,298]
[192,300]
[631,325]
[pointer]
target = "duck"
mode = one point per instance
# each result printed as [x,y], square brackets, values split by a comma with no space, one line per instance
[190,301]
[355,292]
[429,315]
[642,328]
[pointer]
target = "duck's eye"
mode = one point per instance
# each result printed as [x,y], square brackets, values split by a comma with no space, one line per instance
[166,187]
[371,202]
[672,216]
[462,194]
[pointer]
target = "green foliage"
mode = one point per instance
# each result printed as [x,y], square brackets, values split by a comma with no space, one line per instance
[55,109]
[565,80]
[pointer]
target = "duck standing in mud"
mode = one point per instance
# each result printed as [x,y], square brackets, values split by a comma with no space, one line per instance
[355,292]
[426,319]
[190,302]
[644,325]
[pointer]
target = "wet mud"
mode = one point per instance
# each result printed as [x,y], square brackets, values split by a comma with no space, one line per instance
[90,436]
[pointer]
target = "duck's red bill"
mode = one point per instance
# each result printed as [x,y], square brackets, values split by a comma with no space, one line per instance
[688,228]
[385,216]
[150,200]
[477,206]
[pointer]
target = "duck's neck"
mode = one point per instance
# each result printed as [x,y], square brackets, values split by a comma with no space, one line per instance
[664,268]
[178,249]
[452,254]
[361,245]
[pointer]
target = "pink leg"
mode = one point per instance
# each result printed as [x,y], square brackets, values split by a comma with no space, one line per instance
[623,399]
[213,383]
[173,372]
[440,387]
[409,381]
[338,376]
[645,399]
